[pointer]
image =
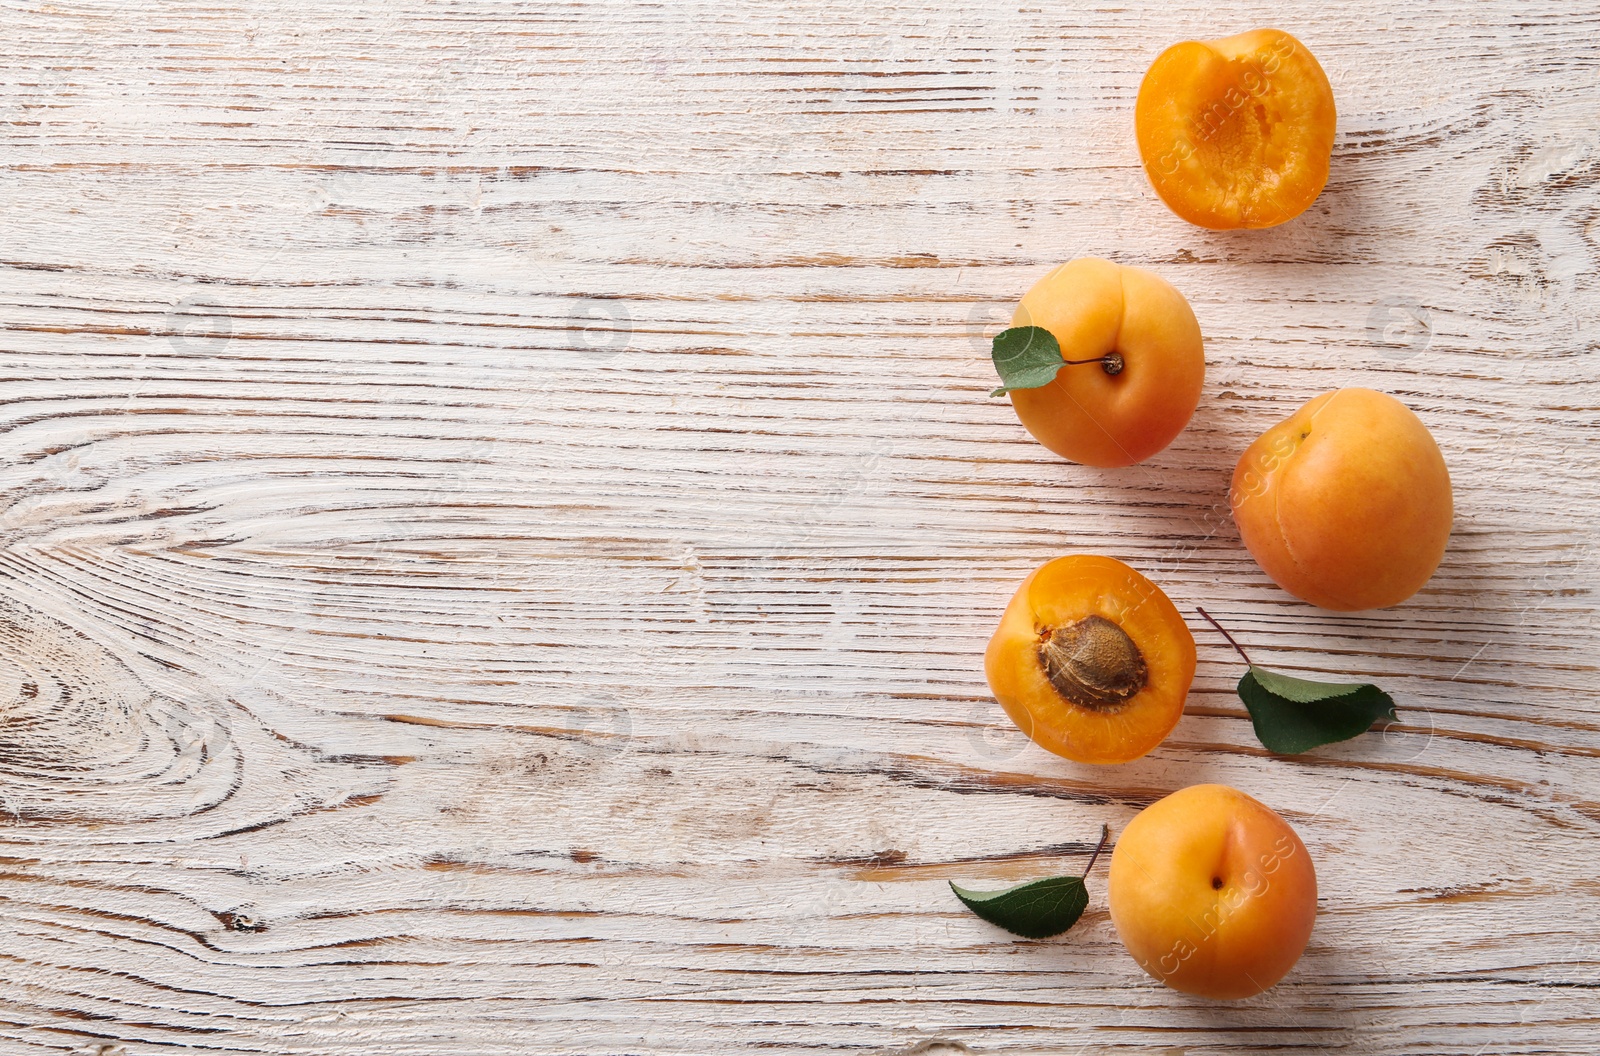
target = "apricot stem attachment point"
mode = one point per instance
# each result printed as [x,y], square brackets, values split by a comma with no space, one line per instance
[1236,646]
[1105,834]
[1112,362]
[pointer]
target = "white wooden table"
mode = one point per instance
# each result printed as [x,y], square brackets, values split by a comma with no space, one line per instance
[502,515]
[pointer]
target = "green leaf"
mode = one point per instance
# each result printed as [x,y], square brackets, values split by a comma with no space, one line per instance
[1293,715]
[1035,910]
[1026,357]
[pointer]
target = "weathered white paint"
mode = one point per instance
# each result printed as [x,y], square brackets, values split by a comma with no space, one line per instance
[501,516]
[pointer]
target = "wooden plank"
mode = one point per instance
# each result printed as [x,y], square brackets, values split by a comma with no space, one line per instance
[502,514]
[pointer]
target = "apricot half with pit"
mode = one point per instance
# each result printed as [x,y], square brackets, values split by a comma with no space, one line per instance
[1138,363]
[1212,892]
[1091,660]
[1236,132]
[1347,502]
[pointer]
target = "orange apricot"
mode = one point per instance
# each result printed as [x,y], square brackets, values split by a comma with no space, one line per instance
[1347,502]
[1212,892]
[1090,413]
[1236,132]
[1091,660]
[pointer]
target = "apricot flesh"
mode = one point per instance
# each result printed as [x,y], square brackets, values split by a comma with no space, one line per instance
[1346,503]
[1236,132]
[1091,660]
[1094,307]
[1212,892]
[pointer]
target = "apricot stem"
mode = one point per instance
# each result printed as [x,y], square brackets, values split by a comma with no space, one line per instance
[1111,362]
[1237,647]
[1105,834]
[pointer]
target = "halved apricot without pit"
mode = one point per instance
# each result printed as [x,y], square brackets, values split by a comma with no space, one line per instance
[1236,132]
[1091,660]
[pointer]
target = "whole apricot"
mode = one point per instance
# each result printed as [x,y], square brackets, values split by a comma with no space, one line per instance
[1347,502]
[1212,892]
[1236,132]
[1091,660]
[1141,363]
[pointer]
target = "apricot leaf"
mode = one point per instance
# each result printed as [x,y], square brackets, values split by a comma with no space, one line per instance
[1035,910]
[1026,357]
[1304,690]
[1293,715]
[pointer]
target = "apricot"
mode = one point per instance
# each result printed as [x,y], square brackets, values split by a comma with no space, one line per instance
[1146,363]
[1346,503]
[1236,132]
[1091,660]
[1212,892]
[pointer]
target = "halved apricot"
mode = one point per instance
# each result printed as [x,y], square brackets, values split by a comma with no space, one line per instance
[1091,660]
[1236,132]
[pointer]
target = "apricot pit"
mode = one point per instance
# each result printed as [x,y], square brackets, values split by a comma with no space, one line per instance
[1093,663]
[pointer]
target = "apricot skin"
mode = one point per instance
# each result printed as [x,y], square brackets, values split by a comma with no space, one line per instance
[1346,503]
[1092,307]
[1063,591]
[1212,892]
[1236,132]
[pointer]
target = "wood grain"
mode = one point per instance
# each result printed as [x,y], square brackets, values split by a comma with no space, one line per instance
[501,514]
